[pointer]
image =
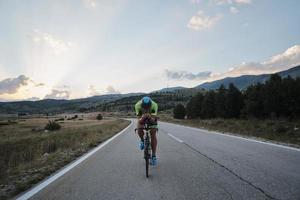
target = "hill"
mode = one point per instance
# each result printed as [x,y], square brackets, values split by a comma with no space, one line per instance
[243,82]
[170,89]
[166,97]
[58,106]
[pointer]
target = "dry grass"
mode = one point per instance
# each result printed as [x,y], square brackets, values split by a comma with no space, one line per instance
[279,131]
[28,154]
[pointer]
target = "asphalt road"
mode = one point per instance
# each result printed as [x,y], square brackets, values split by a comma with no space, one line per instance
[192,164]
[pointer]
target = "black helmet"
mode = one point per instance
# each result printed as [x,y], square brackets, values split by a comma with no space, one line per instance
[146,102]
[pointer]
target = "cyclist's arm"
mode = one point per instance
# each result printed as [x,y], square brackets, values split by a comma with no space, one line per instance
[154,112]
[137,108]
[138,111]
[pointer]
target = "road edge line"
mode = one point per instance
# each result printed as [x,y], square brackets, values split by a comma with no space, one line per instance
[238,137]
[28,194]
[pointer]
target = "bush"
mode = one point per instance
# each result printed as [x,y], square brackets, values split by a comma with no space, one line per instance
[52,126]
[179,111]
[99,117]
[4,123]
[281,129]
[74,117]
[60,119]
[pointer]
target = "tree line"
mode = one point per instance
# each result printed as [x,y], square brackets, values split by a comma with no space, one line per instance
[277,97]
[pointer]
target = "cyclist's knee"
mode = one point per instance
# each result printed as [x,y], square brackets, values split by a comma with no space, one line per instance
[153,134]
[153,131]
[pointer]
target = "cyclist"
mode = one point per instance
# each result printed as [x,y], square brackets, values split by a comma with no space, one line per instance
[146,109]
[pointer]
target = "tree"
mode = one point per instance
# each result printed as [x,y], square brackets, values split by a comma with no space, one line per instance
[179,112]
[234,102]
[194,106]
[297,98]
[272,96]
[208,105]
[99,117]
[52,126]
[254,101]
[289,97]
[220,102]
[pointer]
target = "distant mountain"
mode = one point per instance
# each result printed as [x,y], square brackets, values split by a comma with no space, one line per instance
[59,105]
[240,82]
[292,72]
[105,97]
[166,97]
[169,89]
[244,81]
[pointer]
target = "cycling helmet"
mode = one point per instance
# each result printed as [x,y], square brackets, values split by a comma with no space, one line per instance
[146,102]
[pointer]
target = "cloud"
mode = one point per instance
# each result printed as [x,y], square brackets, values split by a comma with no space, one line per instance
[201,22]
[243,1]
[283,61]
[32,99]
[12,85]
[184,75]
[289,58]
[57,45]
[111,90]
[93,91]
[90,3]
[40,84]
[222,2]
[58,94]
[195,1]
[234,10]
[4,100]
[238,2]
[246,24]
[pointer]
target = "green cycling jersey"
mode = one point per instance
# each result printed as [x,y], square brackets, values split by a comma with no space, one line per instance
[140,111]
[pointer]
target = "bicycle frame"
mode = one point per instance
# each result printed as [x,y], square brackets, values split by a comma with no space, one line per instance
[147,146]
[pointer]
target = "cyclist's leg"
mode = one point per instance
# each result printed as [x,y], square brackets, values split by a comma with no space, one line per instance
[153,141]
[140,131]
[141,135]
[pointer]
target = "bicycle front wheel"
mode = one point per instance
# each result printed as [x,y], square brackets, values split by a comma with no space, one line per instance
[147,168]
[147,157]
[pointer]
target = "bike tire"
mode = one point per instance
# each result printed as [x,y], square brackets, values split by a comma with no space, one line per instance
[146,155]
[147,168]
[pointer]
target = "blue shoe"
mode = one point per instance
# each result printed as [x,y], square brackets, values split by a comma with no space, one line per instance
[142,145]
[153,161]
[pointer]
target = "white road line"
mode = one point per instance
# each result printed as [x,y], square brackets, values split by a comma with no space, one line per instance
[238,137]
[60,173]
[175,138]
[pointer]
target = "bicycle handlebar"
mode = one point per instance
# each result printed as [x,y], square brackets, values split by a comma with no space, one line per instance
[147,121]
[136,129]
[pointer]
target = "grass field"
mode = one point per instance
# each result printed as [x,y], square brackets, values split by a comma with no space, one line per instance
[28,153]
[279,131]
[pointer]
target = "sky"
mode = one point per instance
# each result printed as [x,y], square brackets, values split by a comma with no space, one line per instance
[65,49]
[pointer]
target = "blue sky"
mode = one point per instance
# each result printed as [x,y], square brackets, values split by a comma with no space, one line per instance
[71,49]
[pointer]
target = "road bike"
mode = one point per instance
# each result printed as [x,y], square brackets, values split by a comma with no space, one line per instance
[147,145]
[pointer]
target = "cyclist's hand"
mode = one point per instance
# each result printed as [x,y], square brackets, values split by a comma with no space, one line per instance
[148,115]
[142,120]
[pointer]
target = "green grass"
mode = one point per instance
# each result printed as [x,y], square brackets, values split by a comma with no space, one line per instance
[28,154]
[280,130]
